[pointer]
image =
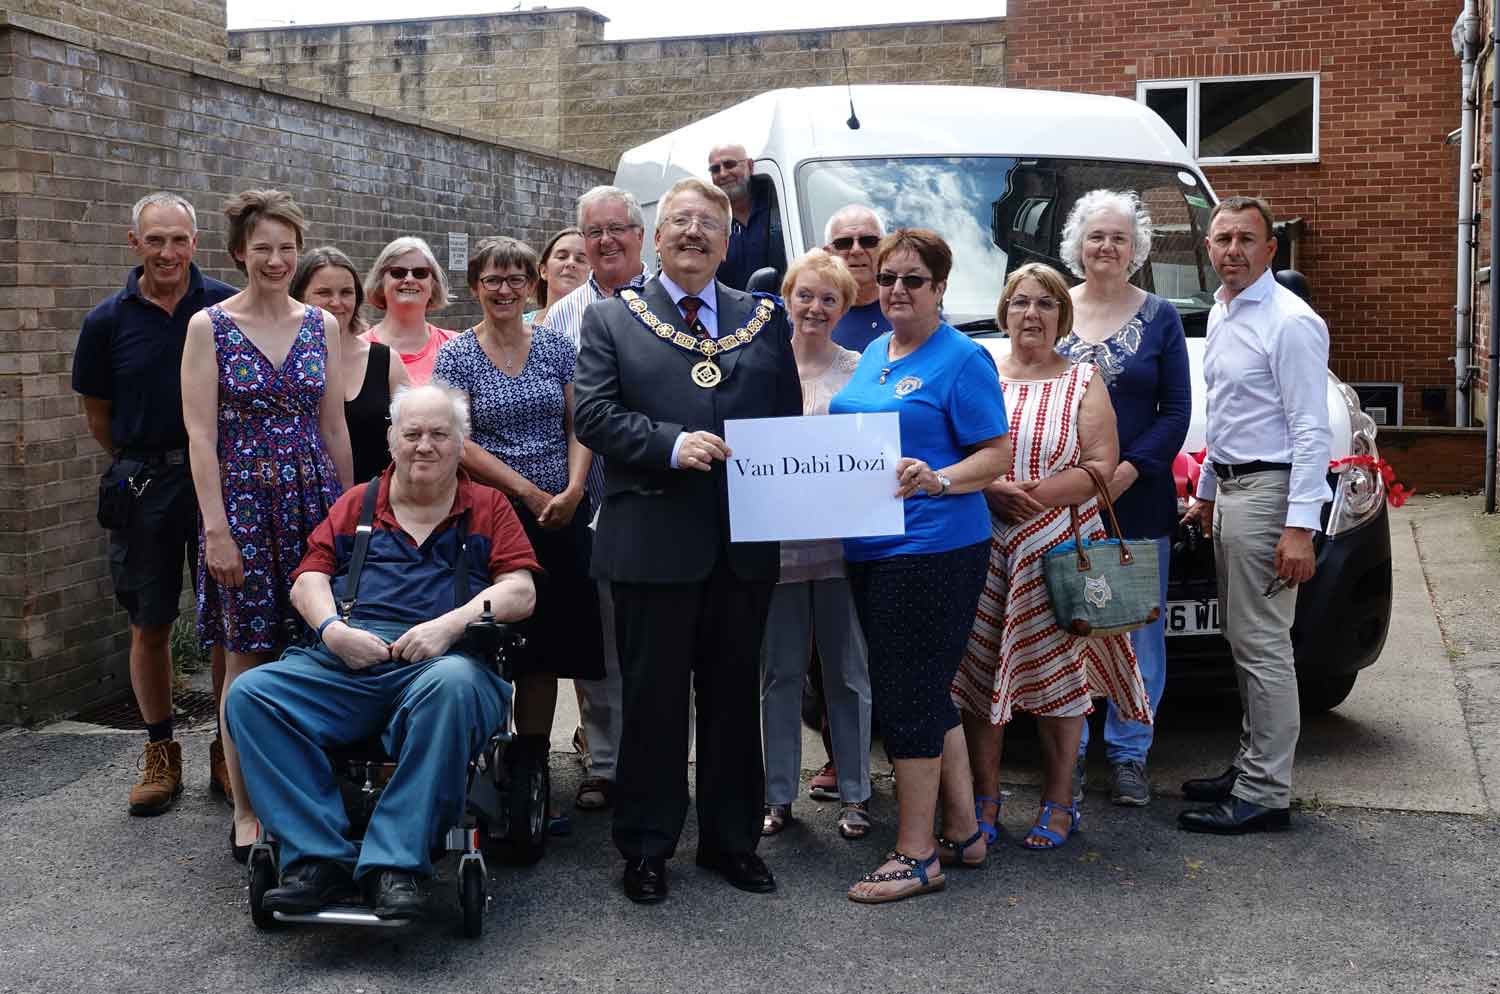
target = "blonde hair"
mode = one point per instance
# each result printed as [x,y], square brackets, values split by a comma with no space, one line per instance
[824,264]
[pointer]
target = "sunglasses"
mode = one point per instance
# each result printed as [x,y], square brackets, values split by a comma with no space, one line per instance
[911,280]
[846,243]
[715,168]
[400,272]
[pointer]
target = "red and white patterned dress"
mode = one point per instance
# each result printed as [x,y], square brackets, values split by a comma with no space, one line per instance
[1017,658]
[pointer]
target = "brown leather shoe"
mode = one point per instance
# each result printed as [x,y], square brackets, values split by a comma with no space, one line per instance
[161,778]
[218,771]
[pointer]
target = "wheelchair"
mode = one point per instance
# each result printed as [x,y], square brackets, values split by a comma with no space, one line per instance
[505,811]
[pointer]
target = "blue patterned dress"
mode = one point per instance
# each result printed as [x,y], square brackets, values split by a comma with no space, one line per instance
[278,479]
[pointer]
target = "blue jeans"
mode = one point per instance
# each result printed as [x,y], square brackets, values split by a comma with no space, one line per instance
[1126,740]
[433,717]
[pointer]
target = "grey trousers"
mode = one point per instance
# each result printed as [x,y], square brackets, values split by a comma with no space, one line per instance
[602,702]
[820,611]
[1249,516]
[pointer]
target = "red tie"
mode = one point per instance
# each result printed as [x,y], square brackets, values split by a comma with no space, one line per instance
[690,306]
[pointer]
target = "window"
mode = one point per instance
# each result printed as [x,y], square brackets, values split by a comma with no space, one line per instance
[1241,119]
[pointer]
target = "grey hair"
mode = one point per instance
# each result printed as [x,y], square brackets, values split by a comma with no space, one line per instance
[161,198]
[846,211]
[1121,202]
[600,194]
[457,400]
[375,293]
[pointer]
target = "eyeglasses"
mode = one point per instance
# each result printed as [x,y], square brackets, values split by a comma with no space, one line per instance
[1045,305]
[400,272]
[614,230]
[714,168]
[516,281]
[846,243]
[911,280]
[682,222]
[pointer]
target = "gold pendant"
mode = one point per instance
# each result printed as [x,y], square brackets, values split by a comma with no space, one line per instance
[707,374]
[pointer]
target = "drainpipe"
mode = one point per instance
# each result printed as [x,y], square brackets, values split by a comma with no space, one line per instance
[1492,398]
[1466,35]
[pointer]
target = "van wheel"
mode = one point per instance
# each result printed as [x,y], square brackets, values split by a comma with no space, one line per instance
[1325,692]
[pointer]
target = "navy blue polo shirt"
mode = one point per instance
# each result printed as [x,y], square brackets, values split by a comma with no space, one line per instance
[130,354]
[752,246]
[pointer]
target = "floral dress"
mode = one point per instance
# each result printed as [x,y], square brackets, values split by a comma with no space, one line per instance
[1017,658]
[278,479]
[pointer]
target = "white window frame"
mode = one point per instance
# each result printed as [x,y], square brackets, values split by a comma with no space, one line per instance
[1191,85]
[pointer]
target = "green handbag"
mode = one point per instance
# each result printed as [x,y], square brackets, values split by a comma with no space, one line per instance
[1107,586]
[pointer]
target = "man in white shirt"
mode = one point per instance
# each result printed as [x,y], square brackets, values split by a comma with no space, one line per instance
[1261,494]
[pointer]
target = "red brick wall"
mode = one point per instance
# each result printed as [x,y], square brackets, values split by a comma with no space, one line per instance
[1381,203]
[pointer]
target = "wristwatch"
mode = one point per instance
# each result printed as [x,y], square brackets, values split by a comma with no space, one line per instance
[943,482]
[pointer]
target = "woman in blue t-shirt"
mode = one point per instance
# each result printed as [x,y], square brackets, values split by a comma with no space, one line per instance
[917,592]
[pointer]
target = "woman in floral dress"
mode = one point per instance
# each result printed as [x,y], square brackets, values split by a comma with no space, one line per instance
[263,402]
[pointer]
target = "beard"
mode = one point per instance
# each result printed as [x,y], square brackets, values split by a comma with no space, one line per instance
[737,190]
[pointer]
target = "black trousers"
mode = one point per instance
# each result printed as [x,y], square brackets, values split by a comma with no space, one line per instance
[677,639]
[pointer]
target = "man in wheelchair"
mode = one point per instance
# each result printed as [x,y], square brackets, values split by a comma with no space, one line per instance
[387,661]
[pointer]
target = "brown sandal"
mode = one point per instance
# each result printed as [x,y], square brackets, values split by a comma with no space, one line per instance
[594,794]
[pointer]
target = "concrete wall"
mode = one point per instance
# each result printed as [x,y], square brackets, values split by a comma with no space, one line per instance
[88,129]
[191,29]
[548,78]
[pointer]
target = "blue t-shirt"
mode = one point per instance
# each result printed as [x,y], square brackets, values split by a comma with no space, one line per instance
[947,394]
[862,325]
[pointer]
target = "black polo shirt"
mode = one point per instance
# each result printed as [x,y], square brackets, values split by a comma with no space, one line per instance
[130,354]
[753,245]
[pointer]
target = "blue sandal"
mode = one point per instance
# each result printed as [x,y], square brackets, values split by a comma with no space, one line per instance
[991,829]
[1043,826]
[951,853]
[916,871]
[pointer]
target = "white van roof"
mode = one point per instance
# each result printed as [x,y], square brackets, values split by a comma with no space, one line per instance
[788,126]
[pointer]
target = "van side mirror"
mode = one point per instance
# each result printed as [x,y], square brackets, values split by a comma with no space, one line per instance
[764,280]
[1295,282]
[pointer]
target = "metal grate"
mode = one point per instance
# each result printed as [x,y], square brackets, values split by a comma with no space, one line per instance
[189,708]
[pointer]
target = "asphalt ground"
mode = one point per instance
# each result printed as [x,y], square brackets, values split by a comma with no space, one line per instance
[1389,881]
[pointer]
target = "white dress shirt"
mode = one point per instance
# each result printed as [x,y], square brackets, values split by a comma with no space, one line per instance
[1265,367]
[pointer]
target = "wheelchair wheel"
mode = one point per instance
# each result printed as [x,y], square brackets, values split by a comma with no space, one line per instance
[526,798]
[471,896]
[262,879]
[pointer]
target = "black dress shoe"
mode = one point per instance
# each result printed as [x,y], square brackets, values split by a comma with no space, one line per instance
[240,853]
[1234,817]
[310,886]
[396,894]
[1211,788]
[745,870]
[646,880]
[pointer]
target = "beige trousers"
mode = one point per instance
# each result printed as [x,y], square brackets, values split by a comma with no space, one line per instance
[1249,516]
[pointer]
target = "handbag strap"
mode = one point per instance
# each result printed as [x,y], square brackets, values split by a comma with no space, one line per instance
[1102,493]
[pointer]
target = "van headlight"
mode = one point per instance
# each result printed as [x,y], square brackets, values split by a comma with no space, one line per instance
[1359,490]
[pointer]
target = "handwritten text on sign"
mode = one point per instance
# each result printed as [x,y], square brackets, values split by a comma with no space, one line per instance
[816,477]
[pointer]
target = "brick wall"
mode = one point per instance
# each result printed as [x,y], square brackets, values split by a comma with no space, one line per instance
[548,78]
[1381,202]
[88,130]
[192,29]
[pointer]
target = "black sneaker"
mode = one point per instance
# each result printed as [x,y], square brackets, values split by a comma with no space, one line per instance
[396,894]
[1130,786]
[311,886]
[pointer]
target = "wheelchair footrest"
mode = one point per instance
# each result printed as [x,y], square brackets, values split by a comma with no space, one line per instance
[463,840]
[340,914]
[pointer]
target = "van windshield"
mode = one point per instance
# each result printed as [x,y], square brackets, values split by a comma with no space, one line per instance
[998,213]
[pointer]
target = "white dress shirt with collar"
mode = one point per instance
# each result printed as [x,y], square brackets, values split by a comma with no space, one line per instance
[566,316]
[1265,367]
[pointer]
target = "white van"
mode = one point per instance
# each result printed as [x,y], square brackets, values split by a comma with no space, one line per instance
[995,171]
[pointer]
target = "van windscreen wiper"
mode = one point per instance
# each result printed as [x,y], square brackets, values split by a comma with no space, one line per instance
[978,324]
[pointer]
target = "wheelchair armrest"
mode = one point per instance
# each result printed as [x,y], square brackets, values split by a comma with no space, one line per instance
[494,640]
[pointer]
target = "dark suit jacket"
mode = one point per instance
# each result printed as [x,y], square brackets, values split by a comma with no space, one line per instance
[633,395]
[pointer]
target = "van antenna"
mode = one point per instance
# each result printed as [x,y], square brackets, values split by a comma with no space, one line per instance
[853,121]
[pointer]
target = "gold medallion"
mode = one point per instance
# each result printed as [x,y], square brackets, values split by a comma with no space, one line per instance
[707,374]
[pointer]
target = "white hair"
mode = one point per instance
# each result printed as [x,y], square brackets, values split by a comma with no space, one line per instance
[848,211]
[161,198]
[458,402]
[1122,202]
[600,194]
[375,291]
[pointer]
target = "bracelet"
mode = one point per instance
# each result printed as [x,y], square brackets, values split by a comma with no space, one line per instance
[325,623]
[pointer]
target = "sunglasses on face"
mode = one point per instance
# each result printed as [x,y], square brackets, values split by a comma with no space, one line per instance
[400,272]
[846,243]
[911,280]
[717,167]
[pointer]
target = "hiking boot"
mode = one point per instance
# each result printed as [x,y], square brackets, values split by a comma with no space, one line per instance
[1129,785]
[218,771]
[161,778]
[1080,780]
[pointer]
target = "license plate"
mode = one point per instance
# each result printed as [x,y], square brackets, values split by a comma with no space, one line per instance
[1193,617]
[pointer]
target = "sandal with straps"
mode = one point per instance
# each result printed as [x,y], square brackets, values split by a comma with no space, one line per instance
[854,820]
[916,871]
[991,829]
[1043,826]
[951,853]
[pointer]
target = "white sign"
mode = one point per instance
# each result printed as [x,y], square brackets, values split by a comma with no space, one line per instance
[832,476]
[458,251]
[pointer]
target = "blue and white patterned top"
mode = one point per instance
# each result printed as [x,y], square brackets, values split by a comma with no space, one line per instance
[517,419]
